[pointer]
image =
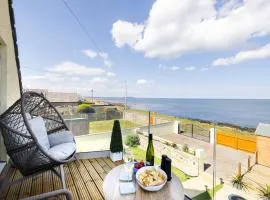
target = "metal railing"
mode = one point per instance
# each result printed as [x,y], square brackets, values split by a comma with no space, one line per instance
[194,131]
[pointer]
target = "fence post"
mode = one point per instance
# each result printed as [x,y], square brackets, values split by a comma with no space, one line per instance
[192,130]
[239,173]
[249,167]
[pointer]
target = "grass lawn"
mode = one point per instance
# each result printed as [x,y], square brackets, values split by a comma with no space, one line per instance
[207,195]
[139,154]
[107,125]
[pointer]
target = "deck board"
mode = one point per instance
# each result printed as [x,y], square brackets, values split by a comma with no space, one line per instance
[84,179]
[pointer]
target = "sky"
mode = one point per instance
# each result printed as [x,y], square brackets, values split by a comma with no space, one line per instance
[162,48]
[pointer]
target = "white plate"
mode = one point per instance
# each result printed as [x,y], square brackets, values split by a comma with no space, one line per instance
[151,188]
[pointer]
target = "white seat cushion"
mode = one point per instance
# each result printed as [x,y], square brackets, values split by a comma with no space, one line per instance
[37,125]
[60,137]
[62,151]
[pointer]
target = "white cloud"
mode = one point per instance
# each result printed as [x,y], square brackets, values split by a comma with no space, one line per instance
[108,63]
[90,53]
[111,74]
[177,27]
[173,68]
[143,82]
[191,68]
[72,68]
[204,69]
[47,76]
[75,78]
[99,80]
[242,56]
[103,55]
[126,33]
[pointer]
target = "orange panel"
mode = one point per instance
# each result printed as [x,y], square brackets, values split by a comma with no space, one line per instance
[226,140]
[152,120]
[247,145]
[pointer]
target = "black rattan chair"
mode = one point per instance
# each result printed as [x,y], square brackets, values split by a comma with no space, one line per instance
[22,145]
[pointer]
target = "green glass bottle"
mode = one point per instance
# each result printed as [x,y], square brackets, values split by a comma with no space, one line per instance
[150,151]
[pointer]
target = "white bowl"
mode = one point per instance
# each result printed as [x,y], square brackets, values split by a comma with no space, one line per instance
[151,188]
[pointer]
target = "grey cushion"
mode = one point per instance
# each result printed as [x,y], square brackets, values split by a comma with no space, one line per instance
[60,137]
[37,125]
[62,151]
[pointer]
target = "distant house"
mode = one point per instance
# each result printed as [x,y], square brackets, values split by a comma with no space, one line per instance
[57,96]
[263,130]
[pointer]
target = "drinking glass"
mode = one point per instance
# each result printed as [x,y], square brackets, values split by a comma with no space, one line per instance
[129,162]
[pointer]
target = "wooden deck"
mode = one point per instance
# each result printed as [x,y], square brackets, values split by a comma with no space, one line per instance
[84,178]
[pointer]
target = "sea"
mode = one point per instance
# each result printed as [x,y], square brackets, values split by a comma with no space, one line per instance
[241,112]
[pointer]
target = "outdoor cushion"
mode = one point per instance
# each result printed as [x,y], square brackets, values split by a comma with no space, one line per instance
[60,137]
[39,130]
[62,151]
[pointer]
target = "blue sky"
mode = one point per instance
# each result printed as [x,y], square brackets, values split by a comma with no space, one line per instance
[163,48]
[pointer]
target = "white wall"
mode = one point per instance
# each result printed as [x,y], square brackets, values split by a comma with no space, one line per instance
[9,84]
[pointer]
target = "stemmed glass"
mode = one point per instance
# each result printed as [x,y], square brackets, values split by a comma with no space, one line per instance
[129,162]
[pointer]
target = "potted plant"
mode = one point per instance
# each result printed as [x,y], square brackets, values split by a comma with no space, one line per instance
[116,145]
[238,182]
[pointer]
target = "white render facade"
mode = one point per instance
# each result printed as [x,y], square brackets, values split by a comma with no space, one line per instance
[9,81]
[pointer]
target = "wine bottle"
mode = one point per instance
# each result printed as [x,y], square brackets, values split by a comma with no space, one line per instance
[150,151]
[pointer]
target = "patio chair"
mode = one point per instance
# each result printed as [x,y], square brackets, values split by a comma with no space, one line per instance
[37,139]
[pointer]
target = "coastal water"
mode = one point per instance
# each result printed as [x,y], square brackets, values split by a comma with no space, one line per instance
[246,113]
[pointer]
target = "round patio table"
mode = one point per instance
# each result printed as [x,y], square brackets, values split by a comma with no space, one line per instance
[173,190]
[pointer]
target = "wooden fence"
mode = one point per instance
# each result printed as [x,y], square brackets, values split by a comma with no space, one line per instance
[239,142]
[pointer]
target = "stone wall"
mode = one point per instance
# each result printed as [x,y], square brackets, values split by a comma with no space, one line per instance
[78,126]
[263,149]
[186,162]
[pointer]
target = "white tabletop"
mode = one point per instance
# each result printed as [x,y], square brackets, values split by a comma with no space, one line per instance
[173,190]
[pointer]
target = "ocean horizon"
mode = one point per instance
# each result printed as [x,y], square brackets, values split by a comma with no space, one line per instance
[241,112]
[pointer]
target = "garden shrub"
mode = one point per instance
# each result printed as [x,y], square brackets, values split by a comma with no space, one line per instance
[85,108]
[132,140]
[186,148]
[174,145]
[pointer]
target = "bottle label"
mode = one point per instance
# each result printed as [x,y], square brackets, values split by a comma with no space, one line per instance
[147,163]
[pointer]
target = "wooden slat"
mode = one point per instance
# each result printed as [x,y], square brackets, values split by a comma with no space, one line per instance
[14,190]
[110,163]
[47,182]
[93,173]
[36,185]
[97,167]
[70,183]
[98,179]
[90,185]
[99,184]
[80,186]
[101,162]
[84,178]
[8,176]
[105,167]
[57,184]
[25,188]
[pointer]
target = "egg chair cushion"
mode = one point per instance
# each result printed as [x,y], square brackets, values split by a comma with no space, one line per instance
[62,151]
[37,125]
[60,138]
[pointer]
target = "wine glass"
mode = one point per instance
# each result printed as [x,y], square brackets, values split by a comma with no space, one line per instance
[129,162]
